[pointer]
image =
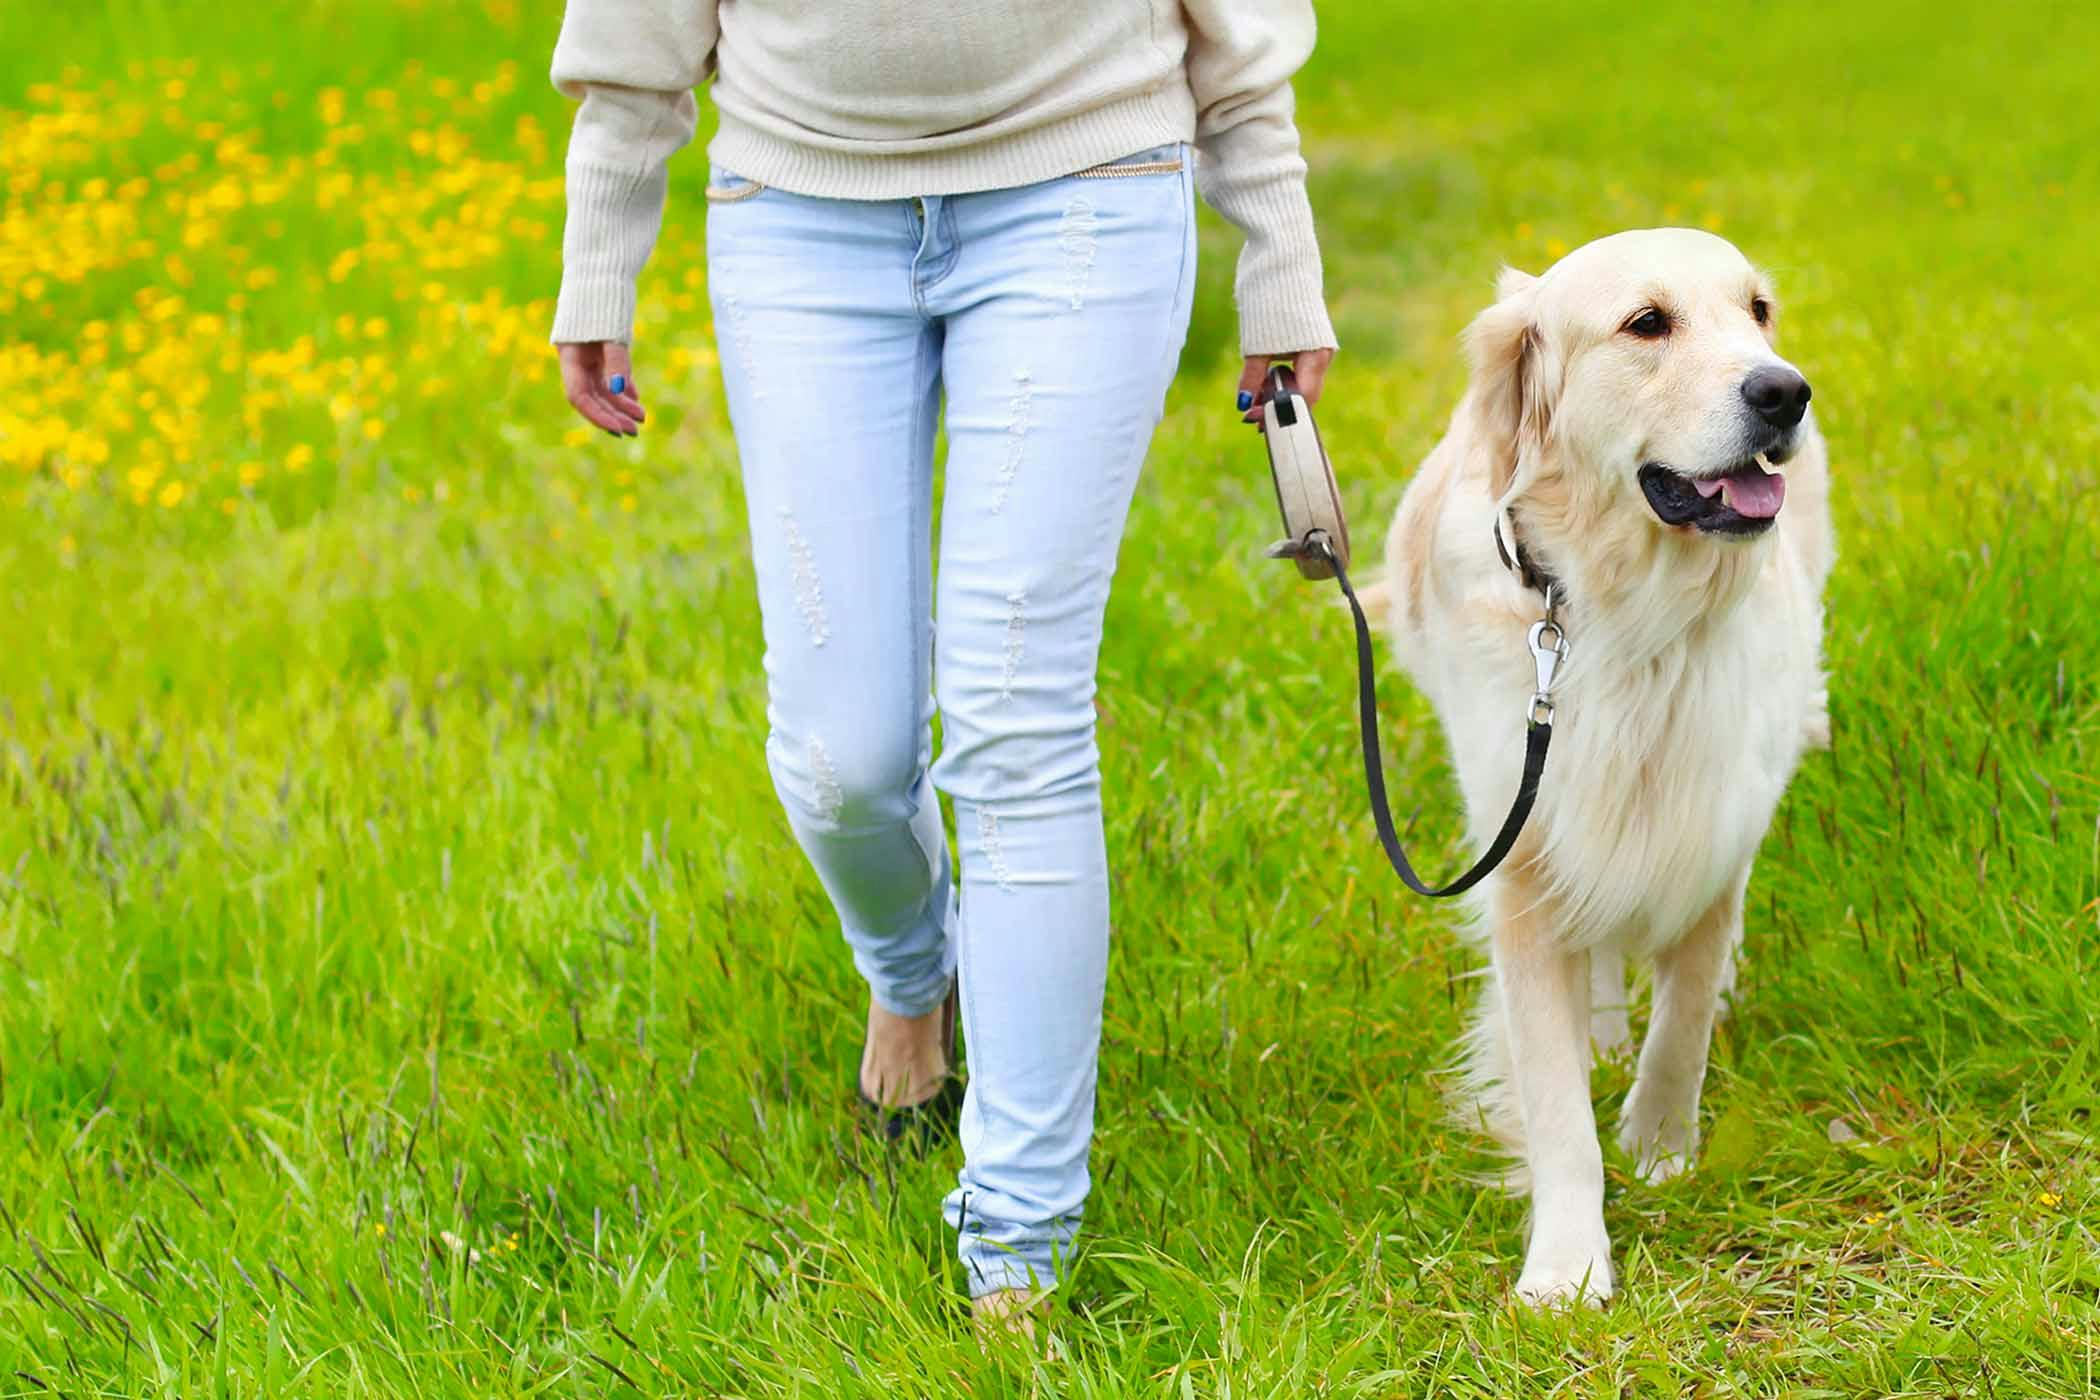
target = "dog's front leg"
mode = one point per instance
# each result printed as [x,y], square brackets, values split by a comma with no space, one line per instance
[1545,1007]
[1659,1127]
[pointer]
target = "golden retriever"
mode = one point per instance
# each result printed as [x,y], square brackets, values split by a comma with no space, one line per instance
[1648,452]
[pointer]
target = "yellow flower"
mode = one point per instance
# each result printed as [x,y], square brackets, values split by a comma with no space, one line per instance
[171,495]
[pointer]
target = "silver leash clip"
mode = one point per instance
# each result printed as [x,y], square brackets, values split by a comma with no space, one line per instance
[1549,647]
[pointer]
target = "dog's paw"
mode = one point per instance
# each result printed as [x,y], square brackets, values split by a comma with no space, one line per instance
[1559,1290]
[1658,1167]
[1662,1143]
[1562,1273]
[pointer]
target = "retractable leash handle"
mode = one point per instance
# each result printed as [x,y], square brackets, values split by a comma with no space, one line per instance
[1305,490]
[1317,541]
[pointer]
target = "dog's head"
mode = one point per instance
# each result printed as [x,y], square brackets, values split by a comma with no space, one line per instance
[1638,374]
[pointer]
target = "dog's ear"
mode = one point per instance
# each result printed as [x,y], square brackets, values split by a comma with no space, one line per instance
[1511,281]
[1508,398]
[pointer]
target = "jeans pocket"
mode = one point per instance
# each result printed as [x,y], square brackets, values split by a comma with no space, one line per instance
[1160,160]
[728,187]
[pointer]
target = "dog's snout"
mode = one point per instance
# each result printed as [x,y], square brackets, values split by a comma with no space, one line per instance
[1779,394]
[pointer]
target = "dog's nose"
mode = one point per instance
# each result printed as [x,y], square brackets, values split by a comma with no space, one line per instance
[1779,394]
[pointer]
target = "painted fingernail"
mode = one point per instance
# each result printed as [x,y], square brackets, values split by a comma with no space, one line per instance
[1246,400]
[619,384]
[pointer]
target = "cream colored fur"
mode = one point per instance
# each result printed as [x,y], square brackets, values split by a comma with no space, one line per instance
[1693,685]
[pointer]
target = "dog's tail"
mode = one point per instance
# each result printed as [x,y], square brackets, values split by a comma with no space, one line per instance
[1482,1091]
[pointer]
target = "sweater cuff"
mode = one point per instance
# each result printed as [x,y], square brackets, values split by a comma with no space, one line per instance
[614,216]
[1282,303]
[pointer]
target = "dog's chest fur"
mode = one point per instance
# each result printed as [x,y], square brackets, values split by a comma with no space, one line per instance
[1666,767]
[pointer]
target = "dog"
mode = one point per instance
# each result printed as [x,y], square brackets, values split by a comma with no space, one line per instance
[1631,440]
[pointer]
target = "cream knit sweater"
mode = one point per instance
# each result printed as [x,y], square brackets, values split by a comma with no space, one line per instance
[882,99]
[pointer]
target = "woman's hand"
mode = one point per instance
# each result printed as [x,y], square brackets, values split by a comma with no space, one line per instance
[600,384]
[1309,366]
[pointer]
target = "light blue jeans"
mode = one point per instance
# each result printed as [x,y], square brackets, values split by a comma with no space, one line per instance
[1050,317]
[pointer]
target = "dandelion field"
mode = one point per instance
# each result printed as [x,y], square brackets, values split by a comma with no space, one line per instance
[409,988]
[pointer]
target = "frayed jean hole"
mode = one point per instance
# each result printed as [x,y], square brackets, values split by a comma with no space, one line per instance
[993,847]
[824,782]
[1020,417]
[740,337]
[1016,642]
[809,589]
[1075,236]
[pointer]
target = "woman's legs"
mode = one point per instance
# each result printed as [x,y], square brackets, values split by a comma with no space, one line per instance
[1064,312]
[1055,314]
[831,372]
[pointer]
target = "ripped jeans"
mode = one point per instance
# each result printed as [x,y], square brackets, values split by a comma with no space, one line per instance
[1050,317]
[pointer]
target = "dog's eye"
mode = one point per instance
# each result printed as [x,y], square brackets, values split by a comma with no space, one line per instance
[1761,310]
[1650,325]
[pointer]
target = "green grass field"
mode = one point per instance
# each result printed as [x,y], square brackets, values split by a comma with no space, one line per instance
[408,986]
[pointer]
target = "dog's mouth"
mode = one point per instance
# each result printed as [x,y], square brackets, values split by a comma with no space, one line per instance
[1742,500]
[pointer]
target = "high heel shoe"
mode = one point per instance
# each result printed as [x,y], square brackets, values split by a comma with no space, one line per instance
[934,1118]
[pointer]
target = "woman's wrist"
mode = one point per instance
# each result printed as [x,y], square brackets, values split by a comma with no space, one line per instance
[616,186]
[1280,286]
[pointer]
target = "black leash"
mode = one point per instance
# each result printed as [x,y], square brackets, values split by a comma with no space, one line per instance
[1538,736]
[1317,541]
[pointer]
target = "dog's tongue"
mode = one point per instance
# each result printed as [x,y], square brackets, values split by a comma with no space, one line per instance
[1750,491]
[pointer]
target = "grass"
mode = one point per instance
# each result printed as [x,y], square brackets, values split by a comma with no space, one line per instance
[408,986]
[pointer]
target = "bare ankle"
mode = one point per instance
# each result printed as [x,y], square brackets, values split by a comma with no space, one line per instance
[905,1058]
[1011,1310]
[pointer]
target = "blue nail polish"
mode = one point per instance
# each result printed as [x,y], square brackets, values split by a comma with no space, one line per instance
[619,384]
[1246,400]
